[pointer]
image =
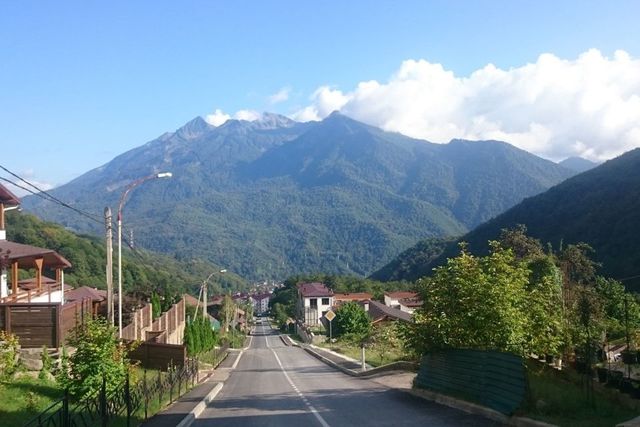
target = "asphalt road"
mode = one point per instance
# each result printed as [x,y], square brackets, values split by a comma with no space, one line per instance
[276,385]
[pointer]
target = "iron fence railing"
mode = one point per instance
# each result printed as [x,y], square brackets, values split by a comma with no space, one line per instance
[104,409]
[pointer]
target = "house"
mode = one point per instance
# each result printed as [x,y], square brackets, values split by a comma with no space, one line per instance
[260,303]
[37,309]
[403,300]
[359,297]
[380,313]
[314,300]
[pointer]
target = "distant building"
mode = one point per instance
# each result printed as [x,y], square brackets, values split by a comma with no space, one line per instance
[380,313]
[402,300]
[314,300]
[260,303]
[362,298]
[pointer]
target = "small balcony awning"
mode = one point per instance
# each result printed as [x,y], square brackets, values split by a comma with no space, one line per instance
[26,255]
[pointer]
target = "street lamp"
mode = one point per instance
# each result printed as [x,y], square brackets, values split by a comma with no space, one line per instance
[130,187]
[204,292]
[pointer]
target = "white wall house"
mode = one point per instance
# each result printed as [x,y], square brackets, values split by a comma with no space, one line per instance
[314,300]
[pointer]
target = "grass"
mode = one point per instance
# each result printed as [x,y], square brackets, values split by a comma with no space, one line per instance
[23,398]
[559,397]
[372,354]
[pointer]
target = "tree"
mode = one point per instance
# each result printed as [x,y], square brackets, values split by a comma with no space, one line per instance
[228,311]
[155,305]
[352,322]
[385,337]
[99,355]
[472,302]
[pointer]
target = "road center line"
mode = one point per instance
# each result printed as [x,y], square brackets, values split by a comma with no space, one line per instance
[313,410]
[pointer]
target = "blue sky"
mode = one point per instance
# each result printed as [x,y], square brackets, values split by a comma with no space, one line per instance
[81,82]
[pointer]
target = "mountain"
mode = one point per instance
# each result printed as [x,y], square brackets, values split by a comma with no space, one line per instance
[274,197]
[578,164]
[600,207]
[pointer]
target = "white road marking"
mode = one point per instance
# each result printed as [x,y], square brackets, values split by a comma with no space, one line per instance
[313,410]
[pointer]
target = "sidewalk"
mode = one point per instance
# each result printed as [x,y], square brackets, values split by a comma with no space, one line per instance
[184,410]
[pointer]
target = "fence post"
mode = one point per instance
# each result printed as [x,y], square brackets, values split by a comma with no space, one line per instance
[127,396]
[146,393]
[103,401]
[170,384]
[160,391]
[65,409]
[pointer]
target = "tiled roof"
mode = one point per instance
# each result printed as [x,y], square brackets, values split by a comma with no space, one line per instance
[379,311]
[86,292]
[354,296]
[411,302]
[315,289]
[401,294]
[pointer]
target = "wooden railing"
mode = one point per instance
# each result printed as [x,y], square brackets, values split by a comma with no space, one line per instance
[30,294]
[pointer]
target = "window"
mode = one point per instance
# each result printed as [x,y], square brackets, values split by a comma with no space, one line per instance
[325,301]
[313,302]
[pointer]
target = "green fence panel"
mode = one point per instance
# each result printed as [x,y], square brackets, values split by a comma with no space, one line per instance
[493,379]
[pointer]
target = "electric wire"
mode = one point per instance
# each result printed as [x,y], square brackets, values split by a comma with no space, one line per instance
[41,193]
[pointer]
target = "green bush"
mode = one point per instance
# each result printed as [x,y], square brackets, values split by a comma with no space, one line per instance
[99,355]
[8,354]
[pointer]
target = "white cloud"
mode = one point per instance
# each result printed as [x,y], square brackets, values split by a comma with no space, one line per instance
[217,118]
[248,115]
[280,96]
[589,106]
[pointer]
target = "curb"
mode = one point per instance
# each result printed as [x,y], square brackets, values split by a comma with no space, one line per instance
[474,408]
[462,405]
[200,407]
[396,366]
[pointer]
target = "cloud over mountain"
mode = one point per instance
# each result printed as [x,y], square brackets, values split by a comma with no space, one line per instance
[556,108]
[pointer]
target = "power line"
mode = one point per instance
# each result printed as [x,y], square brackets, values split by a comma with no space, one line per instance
[51,198]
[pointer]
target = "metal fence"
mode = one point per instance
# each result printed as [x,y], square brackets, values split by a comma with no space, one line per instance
[104,409]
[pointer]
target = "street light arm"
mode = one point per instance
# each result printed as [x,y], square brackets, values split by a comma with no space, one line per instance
[134,184]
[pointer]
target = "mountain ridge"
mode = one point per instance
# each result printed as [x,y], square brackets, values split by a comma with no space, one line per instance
[599,207]
[274,197]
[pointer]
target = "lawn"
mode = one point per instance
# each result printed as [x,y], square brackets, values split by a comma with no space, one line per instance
[559,397]
[373,355]
[23,398]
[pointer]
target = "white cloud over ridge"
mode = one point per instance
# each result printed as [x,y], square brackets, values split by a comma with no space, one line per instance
[280,96]
[553,107]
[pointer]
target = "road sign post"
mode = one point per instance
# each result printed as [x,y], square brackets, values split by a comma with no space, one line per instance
[330,315]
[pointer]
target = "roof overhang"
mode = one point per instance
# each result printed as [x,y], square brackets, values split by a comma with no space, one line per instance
[26,255]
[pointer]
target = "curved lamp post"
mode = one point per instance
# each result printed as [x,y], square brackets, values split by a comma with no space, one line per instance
[130,187]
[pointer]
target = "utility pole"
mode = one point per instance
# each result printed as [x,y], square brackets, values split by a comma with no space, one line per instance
[204,300]
[107,223]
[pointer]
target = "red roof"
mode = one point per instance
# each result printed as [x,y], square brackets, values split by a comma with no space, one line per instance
[315,289]
[401,294]
[354,296]
[86,292]
[411,302]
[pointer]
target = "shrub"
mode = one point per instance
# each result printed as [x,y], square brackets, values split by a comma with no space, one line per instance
[8,354]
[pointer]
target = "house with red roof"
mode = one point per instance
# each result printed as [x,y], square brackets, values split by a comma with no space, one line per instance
[406,301]
[314,300]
